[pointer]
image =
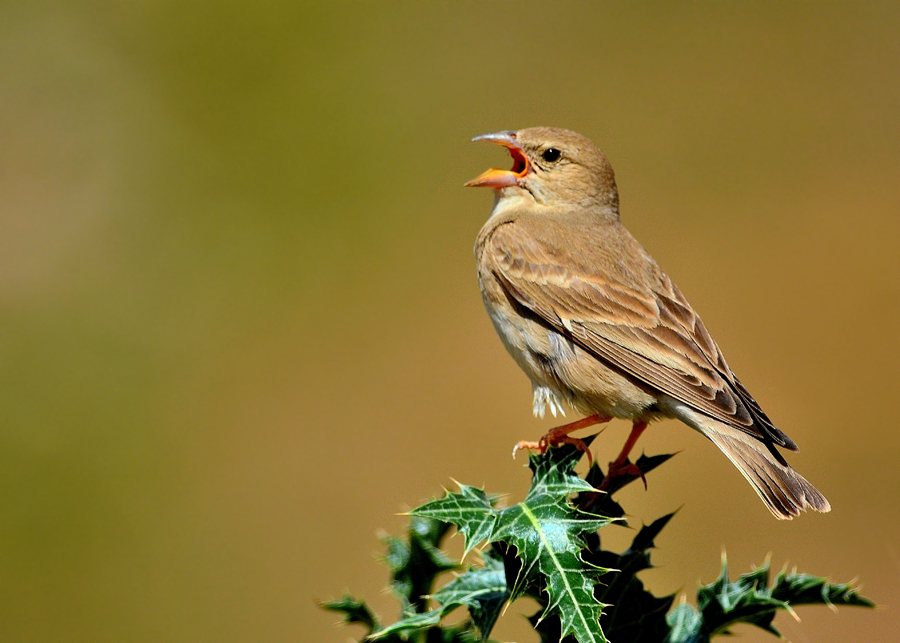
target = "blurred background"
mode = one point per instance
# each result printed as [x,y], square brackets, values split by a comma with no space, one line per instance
[240,329]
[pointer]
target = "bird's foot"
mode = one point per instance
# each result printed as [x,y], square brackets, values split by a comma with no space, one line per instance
[622,465]
[545,443]
[531,445]
[618,469]
[560,435]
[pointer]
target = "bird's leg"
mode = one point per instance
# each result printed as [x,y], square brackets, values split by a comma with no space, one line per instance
[618,467]
[560,435]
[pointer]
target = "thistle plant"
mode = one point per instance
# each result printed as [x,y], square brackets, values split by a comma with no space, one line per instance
[548,547]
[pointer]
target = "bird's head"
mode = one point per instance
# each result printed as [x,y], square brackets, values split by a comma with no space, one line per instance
[554,167]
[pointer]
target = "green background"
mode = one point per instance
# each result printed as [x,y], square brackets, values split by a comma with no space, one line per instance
[239,323]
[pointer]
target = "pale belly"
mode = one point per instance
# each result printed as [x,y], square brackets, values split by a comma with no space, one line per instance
[561,371]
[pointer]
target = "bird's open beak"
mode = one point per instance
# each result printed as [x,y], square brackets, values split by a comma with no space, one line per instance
[502,178]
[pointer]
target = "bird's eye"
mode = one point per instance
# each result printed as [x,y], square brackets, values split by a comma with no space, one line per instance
[551,155]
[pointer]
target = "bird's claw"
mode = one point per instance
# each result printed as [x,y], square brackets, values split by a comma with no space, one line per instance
[530,445]
[550,440]
[617,469]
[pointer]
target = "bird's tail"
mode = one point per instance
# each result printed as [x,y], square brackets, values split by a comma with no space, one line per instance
[785,492]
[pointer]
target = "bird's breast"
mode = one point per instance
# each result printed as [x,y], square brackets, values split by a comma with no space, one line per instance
[555,364]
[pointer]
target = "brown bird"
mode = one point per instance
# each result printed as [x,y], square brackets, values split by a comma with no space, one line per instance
[597,325]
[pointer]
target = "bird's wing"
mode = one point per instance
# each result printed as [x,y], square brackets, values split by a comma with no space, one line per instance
[650,333]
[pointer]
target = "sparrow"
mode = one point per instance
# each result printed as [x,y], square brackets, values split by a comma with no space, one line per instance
[598,326]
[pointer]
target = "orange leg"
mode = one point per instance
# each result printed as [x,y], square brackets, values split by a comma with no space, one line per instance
[618,467]
[560,435]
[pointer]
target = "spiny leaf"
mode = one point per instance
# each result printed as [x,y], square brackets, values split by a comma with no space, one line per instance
[686,625]
[553,472]
[750,599]
[463,633]
[602,503]
[633,614]
[482,590]
[549,546]
[354,611]
[805,589]
[411,623]
[470,510]
[416,563]
[547,533]
[549,549]
[648,533]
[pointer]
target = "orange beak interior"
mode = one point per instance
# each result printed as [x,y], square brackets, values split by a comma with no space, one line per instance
[494,178]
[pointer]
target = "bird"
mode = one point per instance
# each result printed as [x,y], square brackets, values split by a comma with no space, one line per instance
[599,327]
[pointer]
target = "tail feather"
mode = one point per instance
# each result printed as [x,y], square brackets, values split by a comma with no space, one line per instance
[785,492]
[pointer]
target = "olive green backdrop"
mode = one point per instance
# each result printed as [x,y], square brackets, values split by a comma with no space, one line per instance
[239,323]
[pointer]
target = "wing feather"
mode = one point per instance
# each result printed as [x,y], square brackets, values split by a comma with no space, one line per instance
[649,332]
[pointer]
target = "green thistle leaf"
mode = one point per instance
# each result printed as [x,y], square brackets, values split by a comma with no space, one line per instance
[549,548]
[417,562]
[686,625]
[722,604]
[470,510]
[634,615]
[354,611]
[806,589]
[602,503]
[482,590]
[547,533]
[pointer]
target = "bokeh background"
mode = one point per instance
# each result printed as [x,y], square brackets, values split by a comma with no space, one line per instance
[240,329]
